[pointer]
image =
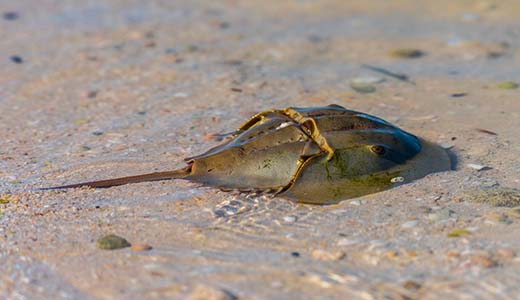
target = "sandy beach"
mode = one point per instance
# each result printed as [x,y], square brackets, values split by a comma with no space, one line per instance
[99,89]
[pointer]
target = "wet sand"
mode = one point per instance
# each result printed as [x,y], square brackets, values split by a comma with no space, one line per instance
[98,89]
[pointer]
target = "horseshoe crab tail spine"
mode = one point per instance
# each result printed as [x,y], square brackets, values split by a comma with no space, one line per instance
[157,176]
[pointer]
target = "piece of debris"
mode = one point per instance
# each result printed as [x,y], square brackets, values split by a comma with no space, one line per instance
[486,131]
[397,76]
[407,53]
[477,167]
[458,95]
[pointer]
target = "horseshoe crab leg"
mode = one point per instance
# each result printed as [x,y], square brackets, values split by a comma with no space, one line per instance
[306,123]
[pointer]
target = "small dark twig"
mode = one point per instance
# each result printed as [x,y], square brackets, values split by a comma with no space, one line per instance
[486,131]
[397,76]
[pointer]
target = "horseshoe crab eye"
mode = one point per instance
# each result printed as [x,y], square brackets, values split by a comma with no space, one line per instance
[379,150]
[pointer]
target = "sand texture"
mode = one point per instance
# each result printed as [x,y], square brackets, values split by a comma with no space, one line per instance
[98,89]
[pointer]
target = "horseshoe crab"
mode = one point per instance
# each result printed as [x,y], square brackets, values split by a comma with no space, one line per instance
[318,155]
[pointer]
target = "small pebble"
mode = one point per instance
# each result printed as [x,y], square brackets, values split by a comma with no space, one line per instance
[141,247]
[92,94]
[97,133]
[363,88]
[112,242]
[458,232]
[206,292]
[508,85]
[407,53]
[477,167]
[409,224]
[327,255]
[483,260]
[224,25]
[459,95]
[11,15]
[16,59]
[290,219]
[412,285]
